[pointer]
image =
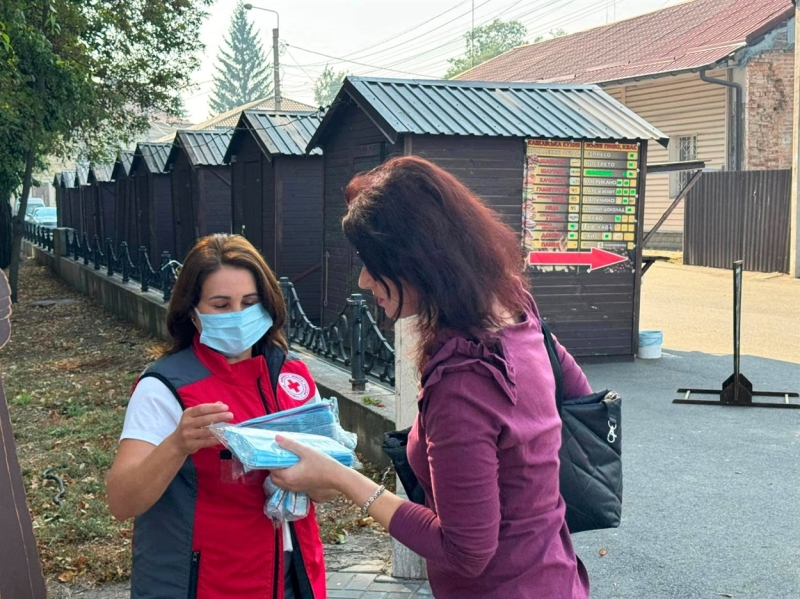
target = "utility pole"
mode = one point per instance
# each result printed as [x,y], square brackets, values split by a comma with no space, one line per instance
[794,217]
[276,54]
[472,35]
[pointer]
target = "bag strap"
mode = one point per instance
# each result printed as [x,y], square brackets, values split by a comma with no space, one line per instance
[555,364]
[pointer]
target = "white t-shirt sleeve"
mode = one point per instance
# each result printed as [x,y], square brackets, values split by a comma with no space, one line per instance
[153,412]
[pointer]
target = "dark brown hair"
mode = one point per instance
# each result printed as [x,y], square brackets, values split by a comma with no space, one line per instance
[411,221]
[207,256]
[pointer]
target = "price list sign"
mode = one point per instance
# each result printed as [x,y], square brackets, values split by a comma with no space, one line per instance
[580,198]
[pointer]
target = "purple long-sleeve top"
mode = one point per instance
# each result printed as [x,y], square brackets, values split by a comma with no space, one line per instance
[484,447]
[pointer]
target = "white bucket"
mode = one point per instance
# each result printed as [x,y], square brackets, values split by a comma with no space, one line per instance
[650,345]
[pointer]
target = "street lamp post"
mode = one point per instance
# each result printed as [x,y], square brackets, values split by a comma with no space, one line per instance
[275,53]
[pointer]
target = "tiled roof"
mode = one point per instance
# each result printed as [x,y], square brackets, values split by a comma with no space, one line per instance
[398,106]
[277,133]
[154,156]
[203,148]
[692,35]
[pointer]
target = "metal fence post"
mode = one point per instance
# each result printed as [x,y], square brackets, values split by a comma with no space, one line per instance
[85,244]
[110,259]
[286,289]
[97,254]
[76,244]
[143,267]
[358,378]
[125,259]
[166,282]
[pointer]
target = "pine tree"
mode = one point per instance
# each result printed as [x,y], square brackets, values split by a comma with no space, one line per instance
[243,73]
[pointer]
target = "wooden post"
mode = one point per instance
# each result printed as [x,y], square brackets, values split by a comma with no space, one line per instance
[405,563]
[20,570]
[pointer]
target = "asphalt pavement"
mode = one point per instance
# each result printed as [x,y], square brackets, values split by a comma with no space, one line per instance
[711,494]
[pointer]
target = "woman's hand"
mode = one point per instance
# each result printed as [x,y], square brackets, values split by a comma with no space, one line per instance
[192,433]
[324,495]
[318,475]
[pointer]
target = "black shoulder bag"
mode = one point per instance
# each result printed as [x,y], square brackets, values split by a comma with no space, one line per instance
[590,476]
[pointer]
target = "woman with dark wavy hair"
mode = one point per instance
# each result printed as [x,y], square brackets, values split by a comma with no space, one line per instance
[485,443]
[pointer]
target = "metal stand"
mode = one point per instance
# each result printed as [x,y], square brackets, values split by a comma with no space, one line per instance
[737,390]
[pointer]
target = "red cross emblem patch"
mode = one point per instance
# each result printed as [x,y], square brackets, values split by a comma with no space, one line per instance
[295,386]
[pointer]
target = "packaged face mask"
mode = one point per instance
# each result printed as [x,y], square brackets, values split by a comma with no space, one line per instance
[257,449]
[283,505]
[320,418]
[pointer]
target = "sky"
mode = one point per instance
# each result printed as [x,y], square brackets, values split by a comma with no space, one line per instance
[386,38]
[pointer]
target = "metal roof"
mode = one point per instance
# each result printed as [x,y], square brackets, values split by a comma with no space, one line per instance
[231,117]
[154,156]
[100,173]
[68,179]
[277,133]
[122,166]
[398,106]
[685,37]
[203,148]
[81,175]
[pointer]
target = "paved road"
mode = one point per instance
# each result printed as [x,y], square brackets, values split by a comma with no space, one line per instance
[694,308]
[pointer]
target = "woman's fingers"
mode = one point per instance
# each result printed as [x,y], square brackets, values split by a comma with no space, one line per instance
[295,447]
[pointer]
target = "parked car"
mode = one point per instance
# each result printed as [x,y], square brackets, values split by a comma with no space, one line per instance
[44,217]
[33,204]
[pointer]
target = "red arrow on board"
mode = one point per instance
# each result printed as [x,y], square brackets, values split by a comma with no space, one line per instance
[594,259]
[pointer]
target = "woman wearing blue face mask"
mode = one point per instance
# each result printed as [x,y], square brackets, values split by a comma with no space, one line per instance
[200,530]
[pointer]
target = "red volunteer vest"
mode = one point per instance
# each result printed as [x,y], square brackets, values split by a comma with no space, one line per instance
[207,537]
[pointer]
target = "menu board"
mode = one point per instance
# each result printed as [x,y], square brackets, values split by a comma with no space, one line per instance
[580,197]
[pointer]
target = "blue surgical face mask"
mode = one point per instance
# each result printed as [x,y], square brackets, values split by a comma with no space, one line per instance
[233,333]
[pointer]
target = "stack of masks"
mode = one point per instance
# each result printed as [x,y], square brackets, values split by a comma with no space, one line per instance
[253,443]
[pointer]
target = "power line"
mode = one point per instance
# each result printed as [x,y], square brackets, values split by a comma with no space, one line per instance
[397,35]
[371,66]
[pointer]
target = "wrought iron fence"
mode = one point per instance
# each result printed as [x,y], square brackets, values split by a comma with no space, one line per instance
[353,339]
[39,235]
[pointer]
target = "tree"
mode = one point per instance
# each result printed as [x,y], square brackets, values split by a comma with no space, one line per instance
[327,86]
[243,73]
[553,34]
[485,42]
[80,79]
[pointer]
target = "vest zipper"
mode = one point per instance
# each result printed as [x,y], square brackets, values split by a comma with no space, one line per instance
[306,591]
[194,574]
[278,578]
[263,397]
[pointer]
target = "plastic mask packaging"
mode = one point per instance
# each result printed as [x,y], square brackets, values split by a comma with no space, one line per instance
[257,449]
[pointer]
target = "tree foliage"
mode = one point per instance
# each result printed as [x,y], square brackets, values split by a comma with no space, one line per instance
[327,86]
[553,34]
[242,73]
[81,78]
[485,42]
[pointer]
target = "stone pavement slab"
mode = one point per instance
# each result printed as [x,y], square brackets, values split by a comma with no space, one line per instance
[366,582]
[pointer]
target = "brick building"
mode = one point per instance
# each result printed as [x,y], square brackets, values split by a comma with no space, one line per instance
[717,76]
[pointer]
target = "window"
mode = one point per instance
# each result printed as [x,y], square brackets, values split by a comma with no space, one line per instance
[682,148]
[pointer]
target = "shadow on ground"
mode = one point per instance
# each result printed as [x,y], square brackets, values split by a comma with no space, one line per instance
[711,493]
